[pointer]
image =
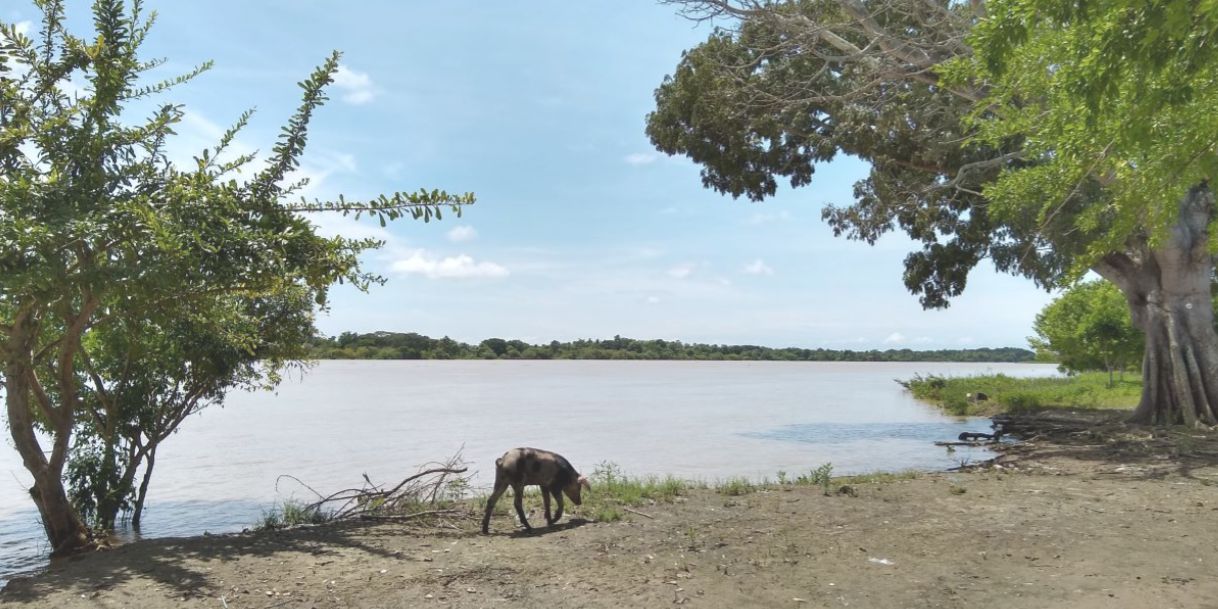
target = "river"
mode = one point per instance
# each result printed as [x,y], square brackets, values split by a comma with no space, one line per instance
[705,420]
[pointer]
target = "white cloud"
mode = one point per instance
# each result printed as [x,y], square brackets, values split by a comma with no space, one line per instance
[422,262]
[461,234]
[393,171]
[356,85]
[641,158]
[343,160]
[923,340]
[23,27]
[760,218]
[967,340]
[894,338]
[681,271]
[653,300]
[758,267]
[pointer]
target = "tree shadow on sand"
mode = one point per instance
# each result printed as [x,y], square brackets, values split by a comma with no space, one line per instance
[1102,438]
[180,565]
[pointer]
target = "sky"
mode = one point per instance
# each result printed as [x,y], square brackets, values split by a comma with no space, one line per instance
[581,228]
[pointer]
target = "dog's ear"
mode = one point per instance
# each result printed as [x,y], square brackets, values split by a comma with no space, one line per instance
[583,481]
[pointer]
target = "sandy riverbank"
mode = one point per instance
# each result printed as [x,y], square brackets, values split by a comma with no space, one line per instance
[1083,516]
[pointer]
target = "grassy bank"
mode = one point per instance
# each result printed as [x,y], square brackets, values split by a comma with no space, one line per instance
[614,496]
[1006,394]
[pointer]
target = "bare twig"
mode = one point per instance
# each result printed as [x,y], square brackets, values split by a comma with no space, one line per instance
[420,495]
[638,512]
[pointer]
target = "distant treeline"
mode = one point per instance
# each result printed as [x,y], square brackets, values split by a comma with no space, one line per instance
[394,345]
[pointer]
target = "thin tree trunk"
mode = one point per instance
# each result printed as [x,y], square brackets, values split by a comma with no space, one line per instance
[139,498]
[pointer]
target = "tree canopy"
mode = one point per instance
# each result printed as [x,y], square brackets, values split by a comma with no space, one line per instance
[792,84]
[1051,138]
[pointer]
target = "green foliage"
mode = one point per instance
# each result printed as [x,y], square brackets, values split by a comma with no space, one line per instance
[771,95]
[395,345]
[1011,394]
[96,485]
[103,239]
[148,375]
[821,476]
[1088,328]
[1122,93]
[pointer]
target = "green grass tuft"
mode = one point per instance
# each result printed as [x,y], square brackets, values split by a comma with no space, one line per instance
[735,487]
[291,513]
[879,477]
[612,490]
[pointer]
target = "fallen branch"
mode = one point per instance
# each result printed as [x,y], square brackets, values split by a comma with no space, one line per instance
[427,493]
[409,516]
[638,512]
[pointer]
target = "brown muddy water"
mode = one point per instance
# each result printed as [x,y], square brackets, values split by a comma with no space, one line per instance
[703,420]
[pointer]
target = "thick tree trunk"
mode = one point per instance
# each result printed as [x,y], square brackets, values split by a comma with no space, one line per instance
[65,531]
[1180,369]
[1168,289]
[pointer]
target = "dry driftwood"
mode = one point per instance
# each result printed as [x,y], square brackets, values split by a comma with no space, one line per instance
[419,496]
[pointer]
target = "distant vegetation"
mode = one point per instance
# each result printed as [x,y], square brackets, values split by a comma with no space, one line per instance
[393,345]
[958,395]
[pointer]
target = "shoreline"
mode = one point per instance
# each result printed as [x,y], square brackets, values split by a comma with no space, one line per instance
[1084,516]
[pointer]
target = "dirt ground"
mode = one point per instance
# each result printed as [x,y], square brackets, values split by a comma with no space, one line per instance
[1087,514]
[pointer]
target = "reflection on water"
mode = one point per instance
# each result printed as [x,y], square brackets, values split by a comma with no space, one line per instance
[707,420]
[859,446]
[839,433]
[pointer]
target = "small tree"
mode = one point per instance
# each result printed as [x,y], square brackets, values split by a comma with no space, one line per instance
[144,378]
[97,227]
[1088,328]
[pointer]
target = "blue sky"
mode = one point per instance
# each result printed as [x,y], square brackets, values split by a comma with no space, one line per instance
[581,230]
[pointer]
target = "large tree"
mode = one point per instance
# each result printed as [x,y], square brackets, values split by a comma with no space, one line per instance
[980,157]
[97,226]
